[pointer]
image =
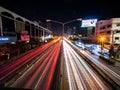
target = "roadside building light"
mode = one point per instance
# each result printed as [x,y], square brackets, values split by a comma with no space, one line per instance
[102,40]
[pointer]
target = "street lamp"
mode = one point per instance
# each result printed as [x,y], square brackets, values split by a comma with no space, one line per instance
[63,23]
[102,39]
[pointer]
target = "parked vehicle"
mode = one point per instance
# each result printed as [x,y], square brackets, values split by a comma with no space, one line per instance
[4,55]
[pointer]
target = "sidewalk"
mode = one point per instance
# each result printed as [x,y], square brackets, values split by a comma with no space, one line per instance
[111,63]
[103,57]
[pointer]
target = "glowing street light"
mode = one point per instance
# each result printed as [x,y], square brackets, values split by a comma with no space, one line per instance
[102,39]
[63,23]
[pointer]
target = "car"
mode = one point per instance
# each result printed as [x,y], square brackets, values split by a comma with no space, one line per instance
[3,55]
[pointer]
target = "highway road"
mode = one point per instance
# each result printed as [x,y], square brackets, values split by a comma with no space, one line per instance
[61,64]
[39,65]
[40,75]
[78,74]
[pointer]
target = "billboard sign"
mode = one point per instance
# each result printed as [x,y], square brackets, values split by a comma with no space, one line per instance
[89,23]
[5,39]
[25,37]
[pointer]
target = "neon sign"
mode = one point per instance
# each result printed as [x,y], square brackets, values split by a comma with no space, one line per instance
[7,39]
[25,37]
[4,39]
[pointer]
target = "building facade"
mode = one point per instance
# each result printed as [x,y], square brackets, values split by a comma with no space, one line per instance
[14,28]
[110,29]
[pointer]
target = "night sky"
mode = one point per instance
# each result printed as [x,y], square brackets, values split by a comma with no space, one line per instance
[63,10]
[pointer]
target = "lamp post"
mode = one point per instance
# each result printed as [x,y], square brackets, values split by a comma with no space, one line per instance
[63,23]
[102,39]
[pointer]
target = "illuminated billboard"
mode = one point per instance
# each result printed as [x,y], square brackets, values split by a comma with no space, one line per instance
[5,39]
[25,37]
[89,23]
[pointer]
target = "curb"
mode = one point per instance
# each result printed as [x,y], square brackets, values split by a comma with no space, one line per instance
[110,60]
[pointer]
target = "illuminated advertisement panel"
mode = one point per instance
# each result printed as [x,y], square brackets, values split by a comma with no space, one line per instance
[25,37]
[4,39]
[89,23]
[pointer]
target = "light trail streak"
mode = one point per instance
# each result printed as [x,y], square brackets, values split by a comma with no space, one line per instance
[93,75]
[40,76]
[114,76]
[77,79]
[32,73]
[32,78]
[85,78]
[53,67]
[23,59]
[44,74]
[108,73]
[67,66]
[102,66]
[12,68]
